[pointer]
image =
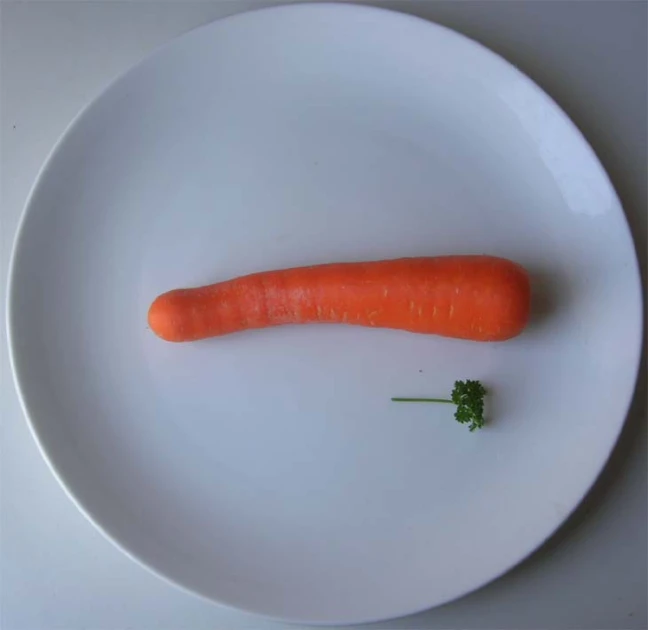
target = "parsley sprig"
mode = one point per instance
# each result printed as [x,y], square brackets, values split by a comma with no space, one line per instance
[468,396]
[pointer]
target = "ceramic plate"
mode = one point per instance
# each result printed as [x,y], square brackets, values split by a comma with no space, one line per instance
[269,470]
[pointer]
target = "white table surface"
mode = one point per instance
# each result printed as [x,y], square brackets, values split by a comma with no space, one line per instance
[58,572]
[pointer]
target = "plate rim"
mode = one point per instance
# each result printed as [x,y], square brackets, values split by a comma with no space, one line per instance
[10,312]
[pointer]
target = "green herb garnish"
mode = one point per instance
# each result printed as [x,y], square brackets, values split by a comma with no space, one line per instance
[469,398]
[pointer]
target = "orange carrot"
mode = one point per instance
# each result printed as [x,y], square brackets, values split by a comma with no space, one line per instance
[482,298]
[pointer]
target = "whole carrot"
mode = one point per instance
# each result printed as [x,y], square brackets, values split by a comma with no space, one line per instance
[482,298]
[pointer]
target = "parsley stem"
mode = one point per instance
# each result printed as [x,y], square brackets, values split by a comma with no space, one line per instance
[422,400]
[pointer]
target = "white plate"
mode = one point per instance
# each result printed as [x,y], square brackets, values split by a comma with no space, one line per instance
[269,470]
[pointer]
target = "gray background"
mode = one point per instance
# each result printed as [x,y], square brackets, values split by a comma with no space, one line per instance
[58,572]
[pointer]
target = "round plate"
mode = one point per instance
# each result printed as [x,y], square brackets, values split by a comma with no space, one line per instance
[269,470]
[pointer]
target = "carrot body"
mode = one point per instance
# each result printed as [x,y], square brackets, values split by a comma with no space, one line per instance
[482,298]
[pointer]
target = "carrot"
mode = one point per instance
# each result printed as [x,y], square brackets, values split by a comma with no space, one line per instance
[482,298]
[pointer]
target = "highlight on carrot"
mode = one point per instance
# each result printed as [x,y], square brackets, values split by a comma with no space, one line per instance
[480,298]
[468,396]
